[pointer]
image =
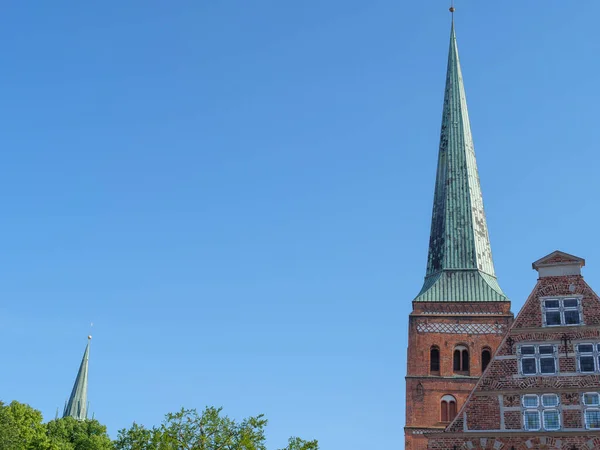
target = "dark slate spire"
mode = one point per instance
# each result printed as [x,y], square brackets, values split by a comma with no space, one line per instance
[460,266]
[77,405]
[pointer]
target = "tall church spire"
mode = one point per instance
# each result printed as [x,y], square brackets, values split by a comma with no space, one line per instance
[77,405]
[460,266]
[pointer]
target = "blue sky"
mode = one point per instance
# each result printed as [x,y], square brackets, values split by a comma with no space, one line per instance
[238,194]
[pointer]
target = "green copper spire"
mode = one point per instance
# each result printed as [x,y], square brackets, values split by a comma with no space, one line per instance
[77,405]
[460,266]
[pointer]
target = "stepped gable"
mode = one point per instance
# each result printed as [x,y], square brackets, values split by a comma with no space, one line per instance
[542,387]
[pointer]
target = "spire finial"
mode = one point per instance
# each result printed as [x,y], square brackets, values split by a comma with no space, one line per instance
[451,9]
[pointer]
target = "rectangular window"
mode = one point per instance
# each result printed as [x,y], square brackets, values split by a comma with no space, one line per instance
[549,400]
[592,415]
[591,399]
[537,359]
[592,419]
[562,311]
[547,363]
[541,411]
[551,420]
[587,357]
[530,401]
[531,420]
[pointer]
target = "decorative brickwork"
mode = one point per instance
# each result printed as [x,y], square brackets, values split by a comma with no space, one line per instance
[543,377]
[513,420]
[460,328]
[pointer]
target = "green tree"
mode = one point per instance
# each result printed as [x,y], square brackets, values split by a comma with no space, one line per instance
[295,443]
[210,430]
[71,434]
[21,428]
[138,438]
[8,431]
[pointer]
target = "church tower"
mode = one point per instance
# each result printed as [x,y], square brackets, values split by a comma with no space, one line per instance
[461,314]
[77,405]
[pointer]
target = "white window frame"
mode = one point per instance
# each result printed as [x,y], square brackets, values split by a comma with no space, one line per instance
[531,411]
[594,407]
[537,356]
[540,409]
[561,309]
[595,354]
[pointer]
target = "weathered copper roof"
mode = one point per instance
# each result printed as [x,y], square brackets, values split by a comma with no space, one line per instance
[460,266]
[77,405]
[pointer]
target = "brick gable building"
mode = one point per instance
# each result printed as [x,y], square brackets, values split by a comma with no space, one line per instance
[542,388]
[461,314]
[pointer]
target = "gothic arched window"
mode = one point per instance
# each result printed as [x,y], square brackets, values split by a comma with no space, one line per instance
[434,360]
[461,359]
[448,408]
[486,357]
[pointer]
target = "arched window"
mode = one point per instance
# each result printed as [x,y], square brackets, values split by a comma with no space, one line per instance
[486,357]
[448,405]
[434,360]
[457,359]
[461,359]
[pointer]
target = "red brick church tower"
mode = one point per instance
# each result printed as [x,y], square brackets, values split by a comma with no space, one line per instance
[461,314]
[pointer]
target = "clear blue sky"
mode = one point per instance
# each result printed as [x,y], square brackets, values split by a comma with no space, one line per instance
[238,194]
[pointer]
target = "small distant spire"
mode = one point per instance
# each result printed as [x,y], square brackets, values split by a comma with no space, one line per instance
[77,405]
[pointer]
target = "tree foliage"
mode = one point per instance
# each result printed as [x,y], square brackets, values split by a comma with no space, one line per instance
[209,430]
[295,443]
[22,428]
[71,434]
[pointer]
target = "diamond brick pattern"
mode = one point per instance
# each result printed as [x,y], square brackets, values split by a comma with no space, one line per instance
[461,328]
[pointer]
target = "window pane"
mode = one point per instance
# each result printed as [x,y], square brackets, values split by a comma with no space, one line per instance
[527,350]
[585,348]
[591,399]
[598,347]
[551,420]
[485,359]
[547,365]
[552,318]
[456,360]
[586,363]
[530,401]
[532,420]
[551,304]
[434,360]
[444,411]
[465,360]
[592,418]
[546,349]
[571,317]
[550,400]
[570,303]
[528,365]
[451,411]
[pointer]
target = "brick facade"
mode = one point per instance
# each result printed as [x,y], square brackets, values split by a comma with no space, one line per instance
[539,361]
